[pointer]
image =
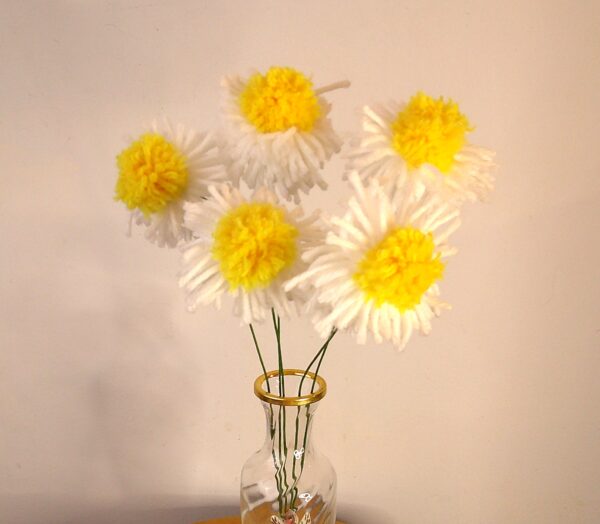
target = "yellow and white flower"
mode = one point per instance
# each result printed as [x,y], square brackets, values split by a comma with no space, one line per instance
[245,248]
[378,268]
[279,133]
[161,170]
[423,144]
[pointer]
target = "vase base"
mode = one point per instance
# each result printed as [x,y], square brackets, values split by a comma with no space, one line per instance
[233,520]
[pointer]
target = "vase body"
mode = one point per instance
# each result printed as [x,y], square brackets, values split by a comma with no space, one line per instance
[288,481]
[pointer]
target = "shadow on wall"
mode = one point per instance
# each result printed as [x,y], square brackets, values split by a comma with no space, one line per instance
[32,509]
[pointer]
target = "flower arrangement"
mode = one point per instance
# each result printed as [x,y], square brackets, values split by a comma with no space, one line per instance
[230,203]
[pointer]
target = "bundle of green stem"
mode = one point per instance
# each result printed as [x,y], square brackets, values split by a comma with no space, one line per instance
[288,492]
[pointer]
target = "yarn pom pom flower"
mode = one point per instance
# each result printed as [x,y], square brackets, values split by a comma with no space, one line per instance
[423,143]
[161,170]
[246,248]
[379,266]
[280,133]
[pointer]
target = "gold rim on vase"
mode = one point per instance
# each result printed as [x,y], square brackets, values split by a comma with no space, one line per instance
[302,400]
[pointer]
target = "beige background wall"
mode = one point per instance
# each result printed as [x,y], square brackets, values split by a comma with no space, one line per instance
[118,406]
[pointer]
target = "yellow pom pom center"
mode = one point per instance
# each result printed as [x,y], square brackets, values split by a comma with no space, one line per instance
[400,269]
[281,99]
[253,244]
[429,131]
[152,173]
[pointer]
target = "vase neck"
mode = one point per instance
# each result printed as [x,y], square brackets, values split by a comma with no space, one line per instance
[289,428]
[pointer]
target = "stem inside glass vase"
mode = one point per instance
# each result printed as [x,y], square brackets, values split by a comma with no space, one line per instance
[302,481]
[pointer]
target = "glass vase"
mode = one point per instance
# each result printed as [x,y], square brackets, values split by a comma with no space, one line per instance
[288,481]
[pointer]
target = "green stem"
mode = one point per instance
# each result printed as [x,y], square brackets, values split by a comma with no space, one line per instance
[262,363]
[277,326]
[326,345]
[272,419]
[281,468]
[321,354]
[282,416]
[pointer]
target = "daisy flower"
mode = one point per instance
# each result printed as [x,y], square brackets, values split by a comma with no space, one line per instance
[279,133]
[161,170]
[423,144]
[245,248]
[379,266]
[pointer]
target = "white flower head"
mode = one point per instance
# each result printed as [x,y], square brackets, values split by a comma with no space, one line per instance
[161,170]
[378,268]
[246,249]
[422,144]
[279,133]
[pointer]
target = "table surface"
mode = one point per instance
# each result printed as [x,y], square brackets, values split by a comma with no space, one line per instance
[230,520]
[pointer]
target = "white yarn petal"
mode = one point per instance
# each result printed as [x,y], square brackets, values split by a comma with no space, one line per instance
[338,300]
[470,178]
[201,276]
[287,162]
[206,165]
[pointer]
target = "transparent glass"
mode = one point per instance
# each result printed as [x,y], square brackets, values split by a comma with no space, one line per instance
[288,481]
